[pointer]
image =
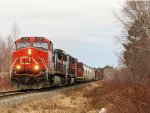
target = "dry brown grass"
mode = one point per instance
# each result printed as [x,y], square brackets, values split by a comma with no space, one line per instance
[118,95]
[127,96]
[132,99]
[84,96]
[5,83]
[72,100]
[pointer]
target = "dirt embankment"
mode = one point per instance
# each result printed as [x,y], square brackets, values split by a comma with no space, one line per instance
[86,99]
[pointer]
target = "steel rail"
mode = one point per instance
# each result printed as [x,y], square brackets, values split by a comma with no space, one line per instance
[53,88]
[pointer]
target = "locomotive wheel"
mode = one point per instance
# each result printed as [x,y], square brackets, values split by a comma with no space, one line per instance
[68,81]
[51,80]
[75,80]
[63,81]
[15,84]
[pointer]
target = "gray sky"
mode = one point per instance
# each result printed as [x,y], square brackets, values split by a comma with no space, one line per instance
[83,28]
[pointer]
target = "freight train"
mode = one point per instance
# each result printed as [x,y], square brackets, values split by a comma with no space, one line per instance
[37,65]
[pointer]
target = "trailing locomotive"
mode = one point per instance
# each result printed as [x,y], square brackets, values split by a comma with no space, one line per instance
[37,65]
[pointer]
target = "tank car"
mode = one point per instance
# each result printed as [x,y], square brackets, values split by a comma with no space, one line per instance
[85,73]
[98,75]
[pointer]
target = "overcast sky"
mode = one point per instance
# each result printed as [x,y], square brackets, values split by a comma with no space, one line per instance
[83,28]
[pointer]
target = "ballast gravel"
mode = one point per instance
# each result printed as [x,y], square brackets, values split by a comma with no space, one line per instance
[14,101]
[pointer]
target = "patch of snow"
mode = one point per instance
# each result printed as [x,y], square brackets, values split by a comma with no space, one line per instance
[103,110]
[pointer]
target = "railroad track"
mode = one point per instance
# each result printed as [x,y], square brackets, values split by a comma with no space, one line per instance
[20,92]
[11,93]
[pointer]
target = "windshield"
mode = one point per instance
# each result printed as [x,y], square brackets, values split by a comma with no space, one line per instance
[42,45]
[23,44]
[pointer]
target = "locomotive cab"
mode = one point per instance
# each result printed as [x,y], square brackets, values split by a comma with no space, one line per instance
[31,61]
[37,42]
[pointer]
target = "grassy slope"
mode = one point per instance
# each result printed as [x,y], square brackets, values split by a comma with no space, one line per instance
[77,100]
[90,99]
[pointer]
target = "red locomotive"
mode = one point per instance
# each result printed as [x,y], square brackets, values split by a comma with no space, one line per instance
[37,65]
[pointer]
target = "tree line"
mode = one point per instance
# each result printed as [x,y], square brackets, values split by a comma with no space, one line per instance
[135,38]
[6,48]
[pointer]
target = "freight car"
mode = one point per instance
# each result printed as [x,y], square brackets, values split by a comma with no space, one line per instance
[37,65]
[85,73]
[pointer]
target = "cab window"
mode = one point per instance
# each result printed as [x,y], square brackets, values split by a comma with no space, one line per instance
[41,45]
[23,44]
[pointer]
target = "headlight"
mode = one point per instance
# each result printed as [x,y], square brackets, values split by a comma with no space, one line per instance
[18,67]
[36,67]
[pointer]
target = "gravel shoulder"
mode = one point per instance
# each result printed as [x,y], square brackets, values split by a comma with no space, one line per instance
[69,100]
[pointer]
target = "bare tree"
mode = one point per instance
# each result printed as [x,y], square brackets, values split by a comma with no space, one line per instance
[7,46]
[2,48]
[15,32]
[136,23]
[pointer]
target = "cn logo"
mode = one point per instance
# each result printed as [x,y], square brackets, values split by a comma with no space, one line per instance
[25,60]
